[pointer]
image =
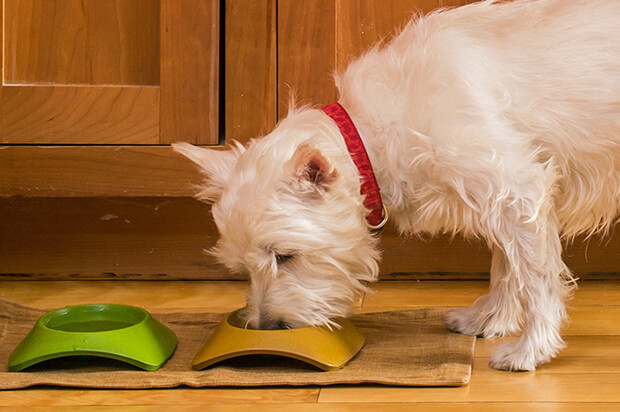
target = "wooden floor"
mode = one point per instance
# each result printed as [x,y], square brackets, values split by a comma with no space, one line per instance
[586,377]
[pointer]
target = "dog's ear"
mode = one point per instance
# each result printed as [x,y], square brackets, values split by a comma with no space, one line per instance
[311,168]
[216,165]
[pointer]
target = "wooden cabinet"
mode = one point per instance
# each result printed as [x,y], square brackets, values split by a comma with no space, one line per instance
[93,91]
[97,89]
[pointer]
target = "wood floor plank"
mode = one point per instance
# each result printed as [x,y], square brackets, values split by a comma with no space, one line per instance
[425,293]
[496,387]
[584,320]
[563,365]
[464,293]
[161,295]
[352,407]
[593,320]
[422,407]
[231,294]
[576,346]
[68,397]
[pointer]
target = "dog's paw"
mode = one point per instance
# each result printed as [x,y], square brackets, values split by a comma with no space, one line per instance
[463,320]
[478,321]
[512,357]
[470,321]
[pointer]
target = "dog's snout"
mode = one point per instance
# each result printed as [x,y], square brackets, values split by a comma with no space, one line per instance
[270,324]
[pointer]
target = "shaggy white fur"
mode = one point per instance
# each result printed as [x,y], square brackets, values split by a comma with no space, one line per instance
[500,121]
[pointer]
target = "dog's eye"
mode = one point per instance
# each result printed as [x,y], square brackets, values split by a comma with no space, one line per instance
[283,257]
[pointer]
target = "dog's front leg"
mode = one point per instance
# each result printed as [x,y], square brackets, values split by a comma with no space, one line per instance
[542,285]
[495,314]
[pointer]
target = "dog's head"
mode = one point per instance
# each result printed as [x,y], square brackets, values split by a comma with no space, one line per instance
[290,216]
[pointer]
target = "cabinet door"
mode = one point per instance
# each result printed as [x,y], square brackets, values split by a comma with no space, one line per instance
[92,91]
[110,72]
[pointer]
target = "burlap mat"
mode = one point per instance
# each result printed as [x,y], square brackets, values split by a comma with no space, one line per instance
[407,348]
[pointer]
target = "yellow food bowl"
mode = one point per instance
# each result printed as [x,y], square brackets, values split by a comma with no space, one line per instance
[326,349]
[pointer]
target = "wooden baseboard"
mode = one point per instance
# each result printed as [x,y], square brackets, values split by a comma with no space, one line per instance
[164,238]
[95,171]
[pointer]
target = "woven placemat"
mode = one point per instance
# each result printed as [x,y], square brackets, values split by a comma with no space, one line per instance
[404,348]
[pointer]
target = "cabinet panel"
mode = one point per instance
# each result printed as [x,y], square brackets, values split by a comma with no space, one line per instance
[251,69]
[80,115]
[363,23]
[81,42]
[190,71]
[306,52]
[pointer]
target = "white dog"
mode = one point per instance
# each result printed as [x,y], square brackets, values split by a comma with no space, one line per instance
[500,121]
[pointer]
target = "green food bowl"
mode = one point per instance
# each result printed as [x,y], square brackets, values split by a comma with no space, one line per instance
[326,349]
[121,332]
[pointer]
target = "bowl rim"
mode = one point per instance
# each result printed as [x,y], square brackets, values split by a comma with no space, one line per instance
[99,308]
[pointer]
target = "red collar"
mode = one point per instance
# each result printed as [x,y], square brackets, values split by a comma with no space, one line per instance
[377,217]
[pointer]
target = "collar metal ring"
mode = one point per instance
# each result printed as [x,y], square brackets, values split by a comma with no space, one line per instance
[382,223]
